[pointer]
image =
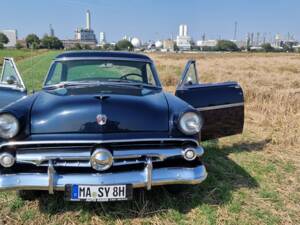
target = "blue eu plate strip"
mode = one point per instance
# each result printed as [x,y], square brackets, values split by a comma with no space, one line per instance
[74,191]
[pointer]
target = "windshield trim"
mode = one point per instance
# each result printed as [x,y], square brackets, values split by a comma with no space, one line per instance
[150,62]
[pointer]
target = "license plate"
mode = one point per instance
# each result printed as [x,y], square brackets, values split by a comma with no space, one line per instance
[98,193]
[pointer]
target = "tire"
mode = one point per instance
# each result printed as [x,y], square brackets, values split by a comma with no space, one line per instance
[29,195]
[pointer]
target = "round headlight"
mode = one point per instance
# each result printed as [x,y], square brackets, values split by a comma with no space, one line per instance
[9,126]
[190,123]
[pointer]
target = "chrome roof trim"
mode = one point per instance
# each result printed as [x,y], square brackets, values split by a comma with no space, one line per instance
[20,143]
[102,58]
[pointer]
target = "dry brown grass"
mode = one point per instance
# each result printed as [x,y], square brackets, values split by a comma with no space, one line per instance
[271,84]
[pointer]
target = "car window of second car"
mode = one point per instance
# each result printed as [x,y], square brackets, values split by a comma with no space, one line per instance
[9,71]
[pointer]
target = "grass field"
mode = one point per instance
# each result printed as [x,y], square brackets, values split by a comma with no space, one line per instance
[254,178]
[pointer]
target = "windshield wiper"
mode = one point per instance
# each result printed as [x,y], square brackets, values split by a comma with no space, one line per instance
[131,83]
[68,84]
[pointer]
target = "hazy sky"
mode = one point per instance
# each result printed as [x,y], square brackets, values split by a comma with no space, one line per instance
[152,19]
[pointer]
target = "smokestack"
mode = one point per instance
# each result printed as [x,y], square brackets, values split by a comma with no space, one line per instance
[185,30]
[181,30]
[88,20]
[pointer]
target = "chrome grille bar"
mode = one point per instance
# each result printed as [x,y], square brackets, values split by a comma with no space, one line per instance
[81,157]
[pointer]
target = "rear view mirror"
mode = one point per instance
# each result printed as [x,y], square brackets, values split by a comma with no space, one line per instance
[11,80]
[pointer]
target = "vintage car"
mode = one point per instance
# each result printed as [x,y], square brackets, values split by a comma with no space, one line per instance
[102,126]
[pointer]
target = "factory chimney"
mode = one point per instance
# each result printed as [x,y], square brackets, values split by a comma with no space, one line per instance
[181,28]
[185,30]
[88,20]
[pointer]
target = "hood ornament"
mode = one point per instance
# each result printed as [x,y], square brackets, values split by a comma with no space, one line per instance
[101,119]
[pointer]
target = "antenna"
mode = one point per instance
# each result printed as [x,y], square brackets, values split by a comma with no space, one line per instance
[31,71]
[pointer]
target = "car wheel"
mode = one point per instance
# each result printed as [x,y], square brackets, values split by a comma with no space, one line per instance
[29,195]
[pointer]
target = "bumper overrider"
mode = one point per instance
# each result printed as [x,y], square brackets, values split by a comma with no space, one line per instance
[53,155]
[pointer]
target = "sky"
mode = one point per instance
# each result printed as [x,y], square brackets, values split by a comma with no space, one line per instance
[153,19]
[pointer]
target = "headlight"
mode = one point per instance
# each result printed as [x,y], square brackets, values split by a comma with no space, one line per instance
[9,126]
[190,123]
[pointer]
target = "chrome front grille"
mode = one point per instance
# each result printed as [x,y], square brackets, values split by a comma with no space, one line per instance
[81,158]
[78,153]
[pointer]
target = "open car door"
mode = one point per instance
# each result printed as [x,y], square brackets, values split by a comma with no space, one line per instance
[12,87]
[221,104]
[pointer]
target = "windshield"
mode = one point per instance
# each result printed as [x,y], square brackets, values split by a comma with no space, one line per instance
[100,70]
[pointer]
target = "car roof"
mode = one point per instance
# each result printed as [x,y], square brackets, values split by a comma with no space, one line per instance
[102,54]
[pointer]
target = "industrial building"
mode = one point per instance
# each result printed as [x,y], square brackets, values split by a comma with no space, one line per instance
[12,37]
[183,41]
[83,36]
[86,34]
[168,45]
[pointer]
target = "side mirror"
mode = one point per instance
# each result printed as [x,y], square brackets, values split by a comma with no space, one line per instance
[11,80]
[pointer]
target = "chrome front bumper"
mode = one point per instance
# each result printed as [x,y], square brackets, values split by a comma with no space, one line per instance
[66,154]
[146,178]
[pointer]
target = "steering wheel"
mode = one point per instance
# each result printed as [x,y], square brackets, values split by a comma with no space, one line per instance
[124,77]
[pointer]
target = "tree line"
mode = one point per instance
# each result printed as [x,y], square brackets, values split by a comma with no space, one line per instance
[52,42]
[34,42]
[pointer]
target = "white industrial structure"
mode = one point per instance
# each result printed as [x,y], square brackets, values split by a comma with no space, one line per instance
[102,38]
[136,42]
[207,43]
[12,37]
[86,34]
[158,44]
[183,40]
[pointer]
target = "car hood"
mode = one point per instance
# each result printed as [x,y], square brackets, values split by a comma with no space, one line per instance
[76,110]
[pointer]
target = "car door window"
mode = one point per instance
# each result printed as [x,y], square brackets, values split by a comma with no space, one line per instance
[10,74]
[191,76]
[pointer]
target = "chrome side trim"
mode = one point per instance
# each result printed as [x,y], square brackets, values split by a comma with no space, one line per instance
[220,106]
[58,142]
[161,176]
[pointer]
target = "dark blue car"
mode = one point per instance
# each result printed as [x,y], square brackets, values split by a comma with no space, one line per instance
[102,126]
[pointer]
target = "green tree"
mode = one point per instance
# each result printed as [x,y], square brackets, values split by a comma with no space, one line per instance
[51,42]
[288,47]
[77,46]
[267,47]
[3,39]
[226,45]
[124,45]
[19,45]
[1,46]
[87,47]
[32,41]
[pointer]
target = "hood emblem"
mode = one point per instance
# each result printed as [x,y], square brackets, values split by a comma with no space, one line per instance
[101,119]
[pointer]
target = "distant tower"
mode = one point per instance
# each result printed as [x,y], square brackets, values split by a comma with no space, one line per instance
[252,39]
[51,33]
[88,20]
[102,39]
[257,39]
[235,30]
